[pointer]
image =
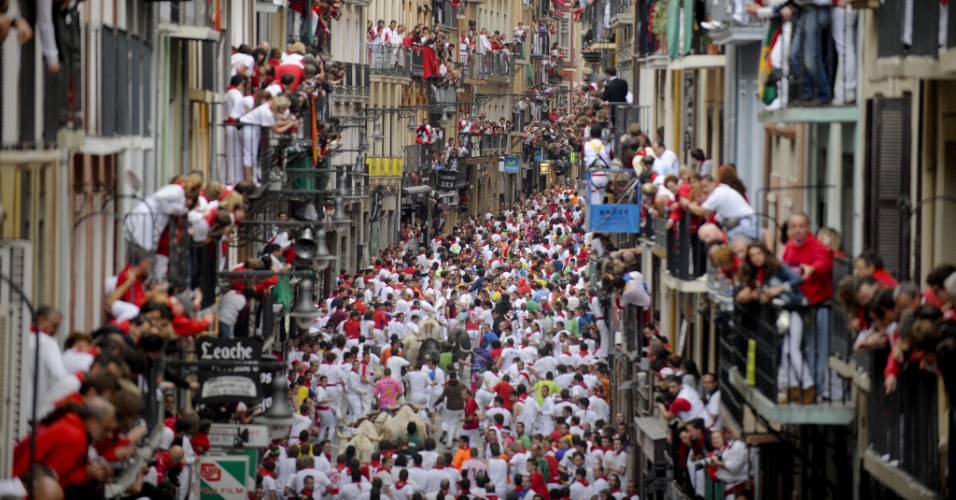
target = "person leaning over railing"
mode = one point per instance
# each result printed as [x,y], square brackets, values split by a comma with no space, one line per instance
[767,281]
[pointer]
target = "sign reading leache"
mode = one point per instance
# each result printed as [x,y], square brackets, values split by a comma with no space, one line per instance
[227,383]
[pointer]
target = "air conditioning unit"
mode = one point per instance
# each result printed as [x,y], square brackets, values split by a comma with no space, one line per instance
[16,263]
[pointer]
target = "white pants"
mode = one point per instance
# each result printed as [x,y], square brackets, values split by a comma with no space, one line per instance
[250,145]
[326,421]
[123,311]
[367,400]
[844,37]
[793,371]
[233,173]
[605,339]
[484,398]
[333,393]
[355,406]
[451,423]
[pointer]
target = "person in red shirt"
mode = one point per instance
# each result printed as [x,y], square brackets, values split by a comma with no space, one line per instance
[352,327]
[63,445]
[870,264]
[814,261]
[504,389]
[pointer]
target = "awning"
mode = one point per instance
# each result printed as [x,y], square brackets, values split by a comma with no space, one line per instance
[415,193]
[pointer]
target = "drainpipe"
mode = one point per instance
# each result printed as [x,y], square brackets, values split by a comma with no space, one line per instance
[185,167]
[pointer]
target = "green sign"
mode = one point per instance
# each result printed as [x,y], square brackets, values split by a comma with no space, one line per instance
[224,477]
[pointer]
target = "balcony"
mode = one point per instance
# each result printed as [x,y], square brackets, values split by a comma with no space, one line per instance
[355,83]
[791,97]
[490,145]
[750,346]
[418,157]
[622,13]
[685,254]
[386,60]
[623,115]
[540,45]
[495,65]
[445,15]
[903,430]
[444,94]
[732,26]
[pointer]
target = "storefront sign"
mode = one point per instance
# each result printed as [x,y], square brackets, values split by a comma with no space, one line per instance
[230,435]
[227,383]
[512,164]
[447,181]
[224,477]
[538,154]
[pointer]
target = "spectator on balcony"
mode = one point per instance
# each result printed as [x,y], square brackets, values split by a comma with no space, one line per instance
[686,405]
[700,162]
[726,206]
[711,398]
[270,115]
[615,89]
[814,262]
[242,62]
[808,58]
[483,48]
[667,162]
[870,264]
[767,281]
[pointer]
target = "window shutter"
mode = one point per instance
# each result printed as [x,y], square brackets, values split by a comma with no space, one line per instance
[888,179]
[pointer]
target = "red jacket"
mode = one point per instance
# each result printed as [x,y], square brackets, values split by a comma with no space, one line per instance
[183,325]
[62,446]
[818,287]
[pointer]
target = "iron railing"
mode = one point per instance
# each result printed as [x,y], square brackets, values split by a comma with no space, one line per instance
[904,425]
[389,60]
[920,38]
[445,94]
[659,226]
[841,338]
[647,42]
[495,64]
[356,81]
[444,14]
[540,45]
[622,8]
[417,62]
[729,355]
[685,252]
[418,157]
[492,144]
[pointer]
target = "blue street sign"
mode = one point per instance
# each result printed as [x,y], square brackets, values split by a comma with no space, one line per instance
[511,164]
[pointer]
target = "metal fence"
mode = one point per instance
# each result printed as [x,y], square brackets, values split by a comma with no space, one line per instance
[418,157]
[841,338]
[445,14]
[388,60]
[356,81]
[540,45]
[904,425]
[622,7]
[495,64]
[491,144]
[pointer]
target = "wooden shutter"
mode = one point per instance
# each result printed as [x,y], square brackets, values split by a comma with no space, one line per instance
[887,177]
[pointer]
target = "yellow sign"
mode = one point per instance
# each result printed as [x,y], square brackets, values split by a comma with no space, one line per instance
[751,362]
[384,167]
[545,167]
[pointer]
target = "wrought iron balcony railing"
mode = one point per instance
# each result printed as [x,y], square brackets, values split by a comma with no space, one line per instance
[356,81]
[418,157]
[389,60]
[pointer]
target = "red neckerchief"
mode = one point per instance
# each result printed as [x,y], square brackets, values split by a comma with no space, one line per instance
[584,482]
[231,87]
[400,484]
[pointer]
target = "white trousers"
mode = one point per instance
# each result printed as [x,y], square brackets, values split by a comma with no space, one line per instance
[250,145]
[355,406]
[844,37]
[326,421]
[793,371]
[233,173]
[451,423]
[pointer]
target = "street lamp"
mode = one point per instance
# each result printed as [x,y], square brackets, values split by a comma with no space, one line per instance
[445,120]
[323,258]
[377,133]
[305,244]
[411,122]
[278,417]
[304,312]
[363,141]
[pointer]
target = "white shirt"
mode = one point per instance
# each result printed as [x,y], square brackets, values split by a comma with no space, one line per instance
[261,115]
[51,370]
[727,202]
[597,154]
[667,163]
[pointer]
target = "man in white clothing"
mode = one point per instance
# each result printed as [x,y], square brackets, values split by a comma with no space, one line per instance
[667,162]
[726,203]
[51,368]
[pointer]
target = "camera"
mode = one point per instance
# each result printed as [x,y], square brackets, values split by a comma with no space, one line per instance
[660,399]
[707,462]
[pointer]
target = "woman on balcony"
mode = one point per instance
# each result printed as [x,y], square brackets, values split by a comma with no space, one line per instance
[770,283]
[270,114]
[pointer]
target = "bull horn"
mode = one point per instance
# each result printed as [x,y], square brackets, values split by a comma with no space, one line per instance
[375,439]
[468,351]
